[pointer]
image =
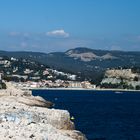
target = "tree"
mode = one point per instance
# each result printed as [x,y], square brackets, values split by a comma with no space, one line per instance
[137,87]
[136,78]
[2,86]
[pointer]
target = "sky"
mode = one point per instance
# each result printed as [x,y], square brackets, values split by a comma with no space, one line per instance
[59,25]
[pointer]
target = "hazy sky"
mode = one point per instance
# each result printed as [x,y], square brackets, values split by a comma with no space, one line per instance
[58,25]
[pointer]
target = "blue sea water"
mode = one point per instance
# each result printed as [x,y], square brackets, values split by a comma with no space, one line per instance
[100,115]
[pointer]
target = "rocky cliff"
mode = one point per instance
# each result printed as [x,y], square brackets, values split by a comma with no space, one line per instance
[23,116]
[121,78]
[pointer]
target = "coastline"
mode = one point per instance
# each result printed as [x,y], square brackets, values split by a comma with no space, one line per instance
[90,89]
[24,116]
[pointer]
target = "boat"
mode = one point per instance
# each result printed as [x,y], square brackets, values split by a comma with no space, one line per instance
[72,118]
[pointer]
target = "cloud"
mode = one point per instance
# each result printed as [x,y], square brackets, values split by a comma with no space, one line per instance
[58,33]
[59,40]
[23,44]
[19,34]
[14,33]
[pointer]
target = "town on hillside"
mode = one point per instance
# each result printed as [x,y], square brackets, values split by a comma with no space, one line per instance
[29,74]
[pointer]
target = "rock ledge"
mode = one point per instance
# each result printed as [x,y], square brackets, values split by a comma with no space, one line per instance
[25,117]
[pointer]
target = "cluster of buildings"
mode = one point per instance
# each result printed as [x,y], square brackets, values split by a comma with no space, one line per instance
[11,67]
[0,77]
[5,63]
[32,75]
[55,84]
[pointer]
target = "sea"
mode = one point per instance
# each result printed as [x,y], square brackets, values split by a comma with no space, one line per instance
[100,115]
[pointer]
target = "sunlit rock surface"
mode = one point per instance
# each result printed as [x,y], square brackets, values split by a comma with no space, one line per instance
[25,117]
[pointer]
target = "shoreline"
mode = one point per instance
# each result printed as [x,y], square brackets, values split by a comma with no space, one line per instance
[83,89]
[73,88]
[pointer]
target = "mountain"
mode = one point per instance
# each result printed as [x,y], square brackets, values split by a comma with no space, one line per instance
[85,62]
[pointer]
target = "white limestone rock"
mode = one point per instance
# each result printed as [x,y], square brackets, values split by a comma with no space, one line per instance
[22,119]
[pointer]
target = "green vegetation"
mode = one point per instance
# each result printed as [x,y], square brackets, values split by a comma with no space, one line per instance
[2,85]
[137,87]
[91,70]
[118,86]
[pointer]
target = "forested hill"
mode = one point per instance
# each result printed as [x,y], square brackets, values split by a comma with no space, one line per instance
[84,61]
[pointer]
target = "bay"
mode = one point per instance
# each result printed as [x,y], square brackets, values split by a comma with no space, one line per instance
[100,115]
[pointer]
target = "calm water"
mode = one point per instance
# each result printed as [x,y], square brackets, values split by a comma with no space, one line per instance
[100,115]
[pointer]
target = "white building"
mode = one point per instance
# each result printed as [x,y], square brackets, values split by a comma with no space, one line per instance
[87,84]
[0,77]
[28,71]
[13,59]
[75,84]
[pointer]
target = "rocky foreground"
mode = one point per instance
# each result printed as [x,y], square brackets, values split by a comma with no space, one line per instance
[25,117]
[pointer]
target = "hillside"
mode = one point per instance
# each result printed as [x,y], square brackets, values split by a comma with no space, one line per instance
[122,78]
[87,63]
[23,70]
